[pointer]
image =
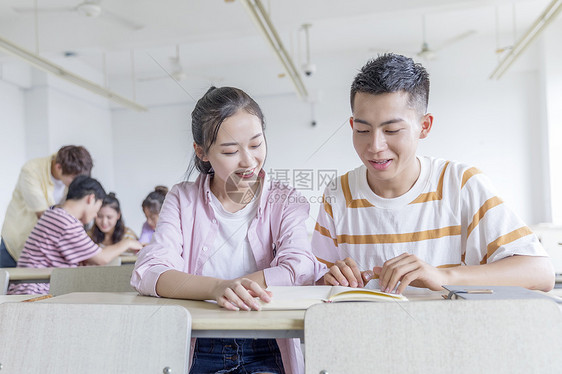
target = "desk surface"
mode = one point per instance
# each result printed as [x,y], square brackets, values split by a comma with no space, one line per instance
[210,320]
[128,258]
[205,315]
[15,298]
[44,274]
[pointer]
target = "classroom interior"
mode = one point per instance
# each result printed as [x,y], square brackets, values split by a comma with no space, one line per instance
[162,56]
[510,128]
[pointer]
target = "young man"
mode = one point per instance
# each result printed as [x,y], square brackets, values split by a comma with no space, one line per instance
[59,238]
[414,220]
[42,183]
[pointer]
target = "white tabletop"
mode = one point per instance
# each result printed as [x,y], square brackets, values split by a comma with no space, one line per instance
[15,298]
[210,320]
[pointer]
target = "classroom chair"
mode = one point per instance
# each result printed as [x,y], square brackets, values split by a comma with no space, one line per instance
[53,338]
[91,279]
[449,336]
[115,262]
[4,281]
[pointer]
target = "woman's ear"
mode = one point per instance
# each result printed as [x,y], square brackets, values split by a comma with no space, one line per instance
[426,123]
[199,152]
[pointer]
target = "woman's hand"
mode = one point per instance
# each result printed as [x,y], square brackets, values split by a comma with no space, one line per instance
[239,294]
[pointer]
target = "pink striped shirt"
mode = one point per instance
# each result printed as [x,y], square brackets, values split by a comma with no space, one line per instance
[57,240]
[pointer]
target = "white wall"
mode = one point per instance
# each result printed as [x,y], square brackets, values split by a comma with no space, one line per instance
[489,124]
[552,84]
[84,121]
[494,125]
[12,138]
[41,113]
[150,149]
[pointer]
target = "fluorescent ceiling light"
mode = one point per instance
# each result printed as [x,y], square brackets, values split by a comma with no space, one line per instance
[538,26]
[49,67]
[262,20]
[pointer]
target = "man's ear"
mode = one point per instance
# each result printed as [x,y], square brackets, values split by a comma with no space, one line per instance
[351,122]
[58,171]
[426,123]
[199,152]
[90,199]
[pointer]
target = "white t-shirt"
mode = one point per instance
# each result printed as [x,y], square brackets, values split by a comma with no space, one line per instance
[58,192]
[232,256]
[450,217]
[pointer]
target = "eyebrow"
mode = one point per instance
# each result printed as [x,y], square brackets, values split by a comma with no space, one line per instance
[389,122]
[235,143]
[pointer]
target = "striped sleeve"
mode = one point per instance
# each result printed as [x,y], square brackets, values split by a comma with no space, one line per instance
[324,239]
[76,246]
[492,230]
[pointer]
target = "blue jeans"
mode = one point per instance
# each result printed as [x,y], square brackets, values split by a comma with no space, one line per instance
[6,260]
[245,356]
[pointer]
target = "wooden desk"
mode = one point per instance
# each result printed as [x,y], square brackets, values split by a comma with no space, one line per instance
[557,294]
[210,320]
[128,258]
[29,275]
[43,275]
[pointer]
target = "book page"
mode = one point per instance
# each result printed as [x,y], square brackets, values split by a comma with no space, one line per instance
[295,297]
[340,293]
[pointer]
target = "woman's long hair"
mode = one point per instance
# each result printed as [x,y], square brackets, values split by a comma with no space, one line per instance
[97,235]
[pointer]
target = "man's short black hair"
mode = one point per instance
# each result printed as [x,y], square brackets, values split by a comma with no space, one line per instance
[82,186]
[390,73]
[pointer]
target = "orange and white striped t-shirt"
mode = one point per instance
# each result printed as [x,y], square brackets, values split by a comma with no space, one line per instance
[450,217]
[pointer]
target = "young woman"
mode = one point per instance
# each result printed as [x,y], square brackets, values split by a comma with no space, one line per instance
[151,208]
[109,227]
[230,234]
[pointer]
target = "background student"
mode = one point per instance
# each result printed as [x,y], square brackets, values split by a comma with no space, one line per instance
[416,220]
[109,226]
[151,208]
[230,234]
[59,240]
[42,183]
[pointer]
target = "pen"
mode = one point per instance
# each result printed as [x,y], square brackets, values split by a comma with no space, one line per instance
[483,290]
[38,298]
[474,291]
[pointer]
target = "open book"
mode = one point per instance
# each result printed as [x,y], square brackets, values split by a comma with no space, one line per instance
[301,297]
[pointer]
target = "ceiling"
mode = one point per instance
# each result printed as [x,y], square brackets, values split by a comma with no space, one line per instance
[214,34]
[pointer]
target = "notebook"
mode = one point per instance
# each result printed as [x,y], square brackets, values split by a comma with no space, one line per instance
[495,293]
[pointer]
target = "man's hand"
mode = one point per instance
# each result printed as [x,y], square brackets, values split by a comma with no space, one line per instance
[344,273]
[409,270]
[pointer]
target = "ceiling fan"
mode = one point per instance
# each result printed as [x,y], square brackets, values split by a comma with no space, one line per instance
[428,53]
[87,8]
[175,70]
